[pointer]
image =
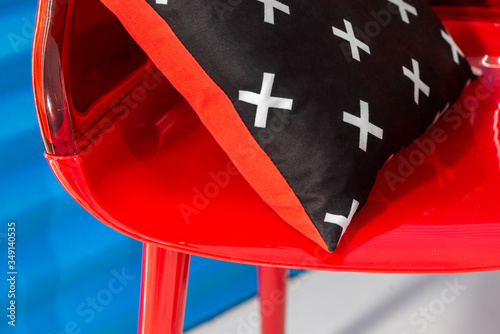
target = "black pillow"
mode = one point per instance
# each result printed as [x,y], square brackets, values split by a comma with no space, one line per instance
[308,98]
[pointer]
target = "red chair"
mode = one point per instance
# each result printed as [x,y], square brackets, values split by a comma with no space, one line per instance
[132,152]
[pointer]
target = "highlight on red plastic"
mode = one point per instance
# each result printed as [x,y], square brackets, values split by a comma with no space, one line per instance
[84,62]
[163,291]
[130,150]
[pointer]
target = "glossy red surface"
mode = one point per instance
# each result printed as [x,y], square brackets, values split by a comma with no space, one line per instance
[272,298]
[163,291]
[153,172]
[83,63]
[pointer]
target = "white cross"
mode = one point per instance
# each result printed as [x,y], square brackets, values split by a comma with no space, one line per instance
[415,77]
[264,100]
[162,2]
[364,125]
[355,43]
[269,6]
[454,47]
[341,220]
[404,9]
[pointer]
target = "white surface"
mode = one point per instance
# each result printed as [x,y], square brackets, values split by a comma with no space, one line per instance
[354,303]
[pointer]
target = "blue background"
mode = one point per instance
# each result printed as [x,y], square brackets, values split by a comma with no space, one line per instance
[64,256]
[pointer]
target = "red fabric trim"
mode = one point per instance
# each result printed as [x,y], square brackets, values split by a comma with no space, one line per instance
[215,110]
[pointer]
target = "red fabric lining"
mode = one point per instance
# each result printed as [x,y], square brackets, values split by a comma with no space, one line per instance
[215,110]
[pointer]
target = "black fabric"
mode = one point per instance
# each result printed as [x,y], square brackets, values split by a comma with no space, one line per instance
[316,150]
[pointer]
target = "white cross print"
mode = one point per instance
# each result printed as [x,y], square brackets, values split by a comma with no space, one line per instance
[341,220]
[269,6]
[404,9]
[454,47]
[161,2]
[264,100]
[415,77]
[355,43]
[364,125]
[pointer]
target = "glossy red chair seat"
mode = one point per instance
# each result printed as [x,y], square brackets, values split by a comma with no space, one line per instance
[131,151]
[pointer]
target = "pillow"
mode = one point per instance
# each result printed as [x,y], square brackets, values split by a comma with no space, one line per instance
[308,98]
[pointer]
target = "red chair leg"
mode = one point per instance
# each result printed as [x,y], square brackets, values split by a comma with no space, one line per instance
[163,290]
[272,294]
